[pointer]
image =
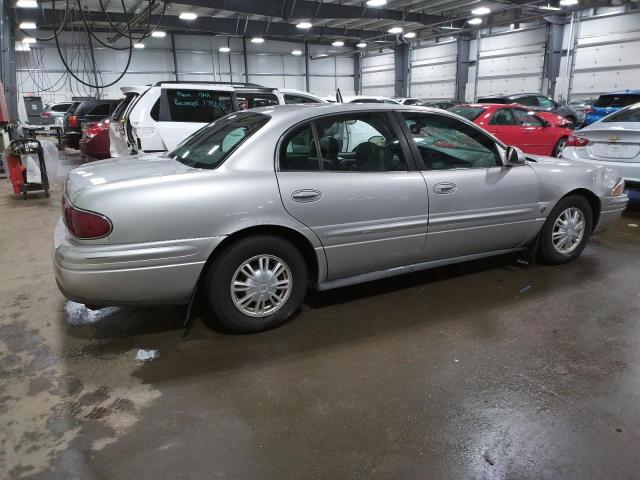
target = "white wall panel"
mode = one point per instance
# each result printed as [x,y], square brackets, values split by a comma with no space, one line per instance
[433,71]
[378,75]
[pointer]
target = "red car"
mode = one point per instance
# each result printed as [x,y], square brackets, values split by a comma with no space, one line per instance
[95,139]
[533,132]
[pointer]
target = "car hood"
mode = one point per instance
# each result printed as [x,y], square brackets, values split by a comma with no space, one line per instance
[124,169]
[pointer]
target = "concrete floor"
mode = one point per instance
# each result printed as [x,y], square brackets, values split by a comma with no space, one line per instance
[484,370]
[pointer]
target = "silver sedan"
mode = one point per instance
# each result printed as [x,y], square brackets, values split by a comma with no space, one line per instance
[256,208]
[613,142]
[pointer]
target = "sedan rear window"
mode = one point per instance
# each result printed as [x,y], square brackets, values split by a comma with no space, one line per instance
[631,114]
[211,145]
[470,113]
[492,100]
[616,101]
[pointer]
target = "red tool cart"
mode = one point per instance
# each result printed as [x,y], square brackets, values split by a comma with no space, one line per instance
[26,166]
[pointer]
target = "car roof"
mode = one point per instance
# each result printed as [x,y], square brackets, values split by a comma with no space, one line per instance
[295,113]
[622,92]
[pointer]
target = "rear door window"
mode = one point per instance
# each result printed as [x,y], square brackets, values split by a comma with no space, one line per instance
[101,110]
[254,100]
[492,100]
[503,116]
[297,99]
[196,106]
[529,101]
[616,101]
[61,107]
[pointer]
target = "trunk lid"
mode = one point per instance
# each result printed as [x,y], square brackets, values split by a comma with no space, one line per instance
[108,172]
[621,143]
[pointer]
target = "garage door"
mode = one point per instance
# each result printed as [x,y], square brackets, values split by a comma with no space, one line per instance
[378,75]
[511,62]
[433,71]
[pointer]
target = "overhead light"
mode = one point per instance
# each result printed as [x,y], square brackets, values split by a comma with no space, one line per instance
[158,34]
[29,40]
[361,45]
[450,28]
[410,35]
[549,7]
[338,43]
[322,54]
[296,52]
[474,21]
[27,26]
[27,4]
[138,45]
[568,3]
[224,49]
[481,11]
[304,25]
[395,30]
[188,16]
[22,47]
[257,40]
[376,3]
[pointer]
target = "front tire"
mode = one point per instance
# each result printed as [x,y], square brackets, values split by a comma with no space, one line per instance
[566,230]
[256,284]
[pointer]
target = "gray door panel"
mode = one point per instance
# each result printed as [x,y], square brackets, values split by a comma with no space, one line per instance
[488,209]
[366,221]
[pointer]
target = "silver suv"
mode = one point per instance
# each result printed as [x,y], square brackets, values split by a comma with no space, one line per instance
[257,207]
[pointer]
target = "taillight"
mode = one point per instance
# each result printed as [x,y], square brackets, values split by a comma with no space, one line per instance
[574,141]
[45,114]
[94,128]
[73,121]
[84,224]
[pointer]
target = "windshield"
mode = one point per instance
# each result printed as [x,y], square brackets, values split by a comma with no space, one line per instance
[470,113]
[211,145]
[630,114]
[616,101]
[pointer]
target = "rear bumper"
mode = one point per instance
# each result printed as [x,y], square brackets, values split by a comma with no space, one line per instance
[611,209]
[629,171]
[145,273]
[96,147]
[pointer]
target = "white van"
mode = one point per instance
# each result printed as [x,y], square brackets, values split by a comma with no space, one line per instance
[168,112]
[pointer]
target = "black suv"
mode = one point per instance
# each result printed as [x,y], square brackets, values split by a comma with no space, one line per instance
[536,102]
[85,111]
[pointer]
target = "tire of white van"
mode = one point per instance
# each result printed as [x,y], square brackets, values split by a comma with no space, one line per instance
[256,284]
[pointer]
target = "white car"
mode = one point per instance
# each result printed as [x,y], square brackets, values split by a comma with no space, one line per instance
[612,142]
[168,112]
[409,101]
[117,135]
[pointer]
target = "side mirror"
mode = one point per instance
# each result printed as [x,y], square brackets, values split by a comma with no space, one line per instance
[515,156]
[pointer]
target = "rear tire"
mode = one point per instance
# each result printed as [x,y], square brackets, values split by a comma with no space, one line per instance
[557,149]
[566,231]
[256,284]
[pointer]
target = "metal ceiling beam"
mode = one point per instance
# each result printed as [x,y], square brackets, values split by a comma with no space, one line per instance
[308,10]
[226,26]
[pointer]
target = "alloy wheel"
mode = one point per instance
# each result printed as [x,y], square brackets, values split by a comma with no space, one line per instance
[568,230]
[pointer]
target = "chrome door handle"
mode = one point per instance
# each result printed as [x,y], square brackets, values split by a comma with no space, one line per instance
[445,187]
[306,195]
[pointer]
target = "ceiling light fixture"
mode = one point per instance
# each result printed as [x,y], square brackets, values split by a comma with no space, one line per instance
[304,25]
[322,54]
[224,49]
[338,43]
[27,4]
[361,45]
[481,11]
[138,45]
[410,35]
[376,3]
[257,40]
[296,52]
[474,21]
[29,40]
[158,34]
[27,26]
[22,47]
[395,30]
[188,16]
[568,3]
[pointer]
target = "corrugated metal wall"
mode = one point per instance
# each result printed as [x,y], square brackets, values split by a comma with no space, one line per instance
[378,74]
[433,70]
[605,55]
